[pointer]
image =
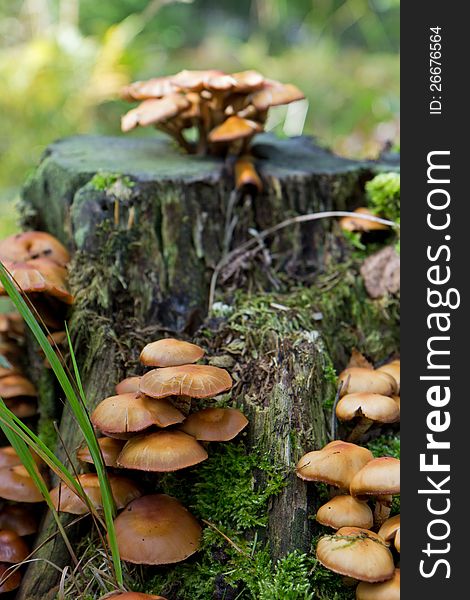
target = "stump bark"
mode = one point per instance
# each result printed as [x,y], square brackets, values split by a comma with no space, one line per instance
[147,226]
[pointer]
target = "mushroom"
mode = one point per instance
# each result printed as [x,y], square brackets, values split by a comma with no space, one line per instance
[367,408]
[195,381]
[163,451]
[352,224]
[12,386]
[390,529]
[357,553]
[9,580]
[246,176]
[393,369]
[16,484]
[19,519]
[345,511]
[133,412]
[387,590]
[169,352]
[156,530]
[215,424]
[13,549]
[335,464]
[22,247]
[67,500]
[357,379]
[110,449]
[9,457]
[380,478]
[128,385]
[234,128]
[397,541]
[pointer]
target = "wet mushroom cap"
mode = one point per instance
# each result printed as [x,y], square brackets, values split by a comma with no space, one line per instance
[10,581]
[358,553]
[353,224]
[169,352]
[19,519]
[382,409]
[28,245]
[387,590]
[345,511]
[234,128]
[367,380]
[156,530]
[163,451]
[335,464]
[110,449]
[390,528]
[13,549]
[215,424]
[195,381]
[134,412]
[128,385]
[379,477]
[16,484]
[65,500]
[393,369]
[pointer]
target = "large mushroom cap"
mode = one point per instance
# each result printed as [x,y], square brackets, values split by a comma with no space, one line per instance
[387,590]
[13,549]
[389,529]
[234,128]
[16,484]
[335,464]
[195,381]
[55,277]
[215,424]
[128,385]
[110,449]
[367,380]
[275,93]
[393,369]
[379,477]
[357,553]
[355,224]
[66,500]
[156,530]
[378,408]
[153,111]
[162,451]
[19,519]
[345,511]
[169,352]
[134,412]
[26,246]
[8,581]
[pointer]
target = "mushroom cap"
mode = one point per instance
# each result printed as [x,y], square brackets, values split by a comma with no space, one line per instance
[382,409]
[156,87]
[19,519]
[22,407]
[389,528]
[387,590]
[16,484]
[163,451]
[393,369]
[246,174]
[22,247]
[335,464]
[12,579]
[156,530]
[55,277]
[379,477]
[195,381]
[12,386]
[247,81]
[215,424]
[9,457]
[367,380]
[234,128]
[354,224]
[197,80]
[357,553]
[150,112]
[397,540]
[128,385]
[13,549]
[66,500]
[275,93]
[131,412]
[169,352]
[110,449]
[345,511]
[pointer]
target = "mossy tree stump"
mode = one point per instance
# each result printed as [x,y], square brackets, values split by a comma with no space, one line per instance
[147,226]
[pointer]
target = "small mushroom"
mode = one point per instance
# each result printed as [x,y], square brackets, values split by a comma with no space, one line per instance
[128,385]
[397,541]
[195,381]
[357,379]
[12,386]
[390,529]
[215,424]
[16,484]
[163,451]
[345,511]
[366,408]
[156,530]
[387,590]
[357,553]
[154,111]
[393,369]
[9,580]
[354,224]
[234,128]
[110,449]
[169,352]
[13,549]
[22,247]
[246,176]
[19,519]
[275,93]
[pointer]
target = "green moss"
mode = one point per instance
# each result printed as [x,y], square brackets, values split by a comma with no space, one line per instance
[383,193]
[385,445]
[102,180]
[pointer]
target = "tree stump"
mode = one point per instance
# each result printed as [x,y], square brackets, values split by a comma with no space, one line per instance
[147,226]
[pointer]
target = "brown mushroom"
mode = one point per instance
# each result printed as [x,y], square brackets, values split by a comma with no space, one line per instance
[154,111]
[234,128]
[156,530]
[387,590]
[345,511]
[22,247]
[246,176]
[355,224]
[110,449]
[393,369]
[128,385]
[163,451]
[366,408]
[195,381]
[215,424]
[357,379]
[16,484]
[16,385]
[169,352]
[13,549]
[390,529]
[9,580]
[19,519]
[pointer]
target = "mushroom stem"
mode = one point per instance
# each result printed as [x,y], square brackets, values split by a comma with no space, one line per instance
[383,506]
[362,426]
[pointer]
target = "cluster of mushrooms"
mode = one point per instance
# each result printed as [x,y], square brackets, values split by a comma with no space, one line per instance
[226,111]
[366,543]
[152,425]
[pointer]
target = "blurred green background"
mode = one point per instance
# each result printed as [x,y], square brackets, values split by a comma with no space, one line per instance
[63,61]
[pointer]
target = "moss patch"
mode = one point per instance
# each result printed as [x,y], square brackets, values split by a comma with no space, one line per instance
[102,180]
